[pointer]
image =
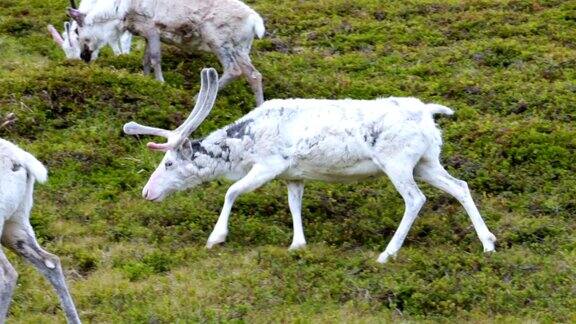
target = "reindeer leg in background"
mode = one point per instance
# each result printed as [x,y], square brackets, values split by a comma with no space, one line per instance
[231,69]
[155,54]
[253,77]
[146,59]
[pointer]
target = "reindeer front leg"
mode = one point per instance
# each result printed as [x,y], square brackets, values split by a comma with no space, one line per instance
[258,175]
[115,45]
[154,54]
[146,59]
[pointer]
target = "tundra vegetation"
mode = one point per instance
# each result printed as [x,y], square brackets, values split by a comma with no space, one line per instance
[507,68]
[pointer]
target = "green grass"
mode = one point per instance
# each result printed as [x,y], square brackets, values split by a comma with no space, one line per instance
[508,68]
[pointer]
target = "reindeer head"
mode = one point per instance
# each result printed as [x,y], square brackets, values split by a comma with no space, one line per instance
[177,171]
[94,31]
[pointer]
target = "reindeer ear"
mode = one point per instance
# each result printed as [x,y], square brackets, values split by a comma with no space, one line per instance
[55,35]
[67,28]
[77,15]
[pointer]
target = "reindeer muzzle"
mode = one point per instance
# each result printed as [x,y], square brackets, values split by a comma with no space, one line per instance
[86,55]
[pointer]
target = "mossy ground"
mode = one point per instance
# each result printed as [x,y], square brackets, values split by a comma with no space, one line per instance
[508,68]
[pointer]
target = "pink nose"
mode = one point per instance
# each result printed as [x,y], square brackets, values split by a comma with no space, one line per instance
[150,195]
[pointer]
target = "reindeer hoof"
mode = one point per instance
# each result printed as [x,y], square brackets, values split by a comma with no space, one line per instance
[211,244]
[489,243]
[297,245]
[215,239]
[385,257]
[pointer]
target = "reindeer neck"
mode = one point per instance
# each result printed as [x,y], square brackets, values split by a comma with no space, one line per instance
[217,153]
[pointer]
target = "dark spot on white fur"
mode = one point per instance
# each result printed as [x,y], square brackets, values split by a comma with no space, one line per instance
[373,134]
[16,167]
[190,150]
[20,245]
[240,129]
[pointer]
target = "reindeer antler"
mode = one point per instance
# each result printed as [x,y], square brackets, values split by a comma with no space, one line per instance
[204,103]
[9,119]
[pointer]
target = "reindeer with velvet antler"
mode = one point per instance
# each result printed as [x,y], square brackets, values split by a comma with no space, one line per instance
[19,171]
[226,28]
[310,139]
[68,40]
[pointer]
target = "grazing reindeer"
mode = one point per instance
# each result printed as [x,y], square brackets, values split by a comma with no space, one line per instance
[224,27]
[18,172]
[310,139]
[68,40]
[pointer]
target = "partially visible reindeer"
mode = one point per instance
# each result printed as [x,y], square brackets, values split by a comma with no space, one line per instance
[310,139]
[68,40]
[19,170]
[223,27]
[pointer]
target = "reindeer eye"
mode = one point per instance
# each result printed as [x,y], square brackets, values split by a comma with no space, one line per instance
[168,164]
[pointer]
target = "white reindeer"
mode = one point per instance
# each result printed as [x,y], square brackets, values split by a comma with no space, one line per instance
[68,40]
[310,139]
[224,27]
[18,172]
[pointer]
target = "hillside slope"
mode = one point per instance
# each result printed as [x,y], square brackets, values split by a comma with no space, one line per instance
[508,69]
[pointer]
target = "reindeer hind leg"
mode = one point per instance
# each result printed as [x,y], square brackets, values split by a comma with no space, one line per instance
[232,70]
[21,239]
[431,171]
[8,277]
[253,76]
